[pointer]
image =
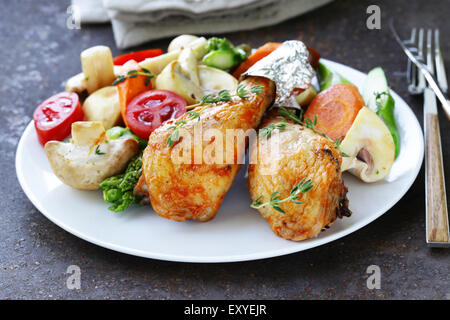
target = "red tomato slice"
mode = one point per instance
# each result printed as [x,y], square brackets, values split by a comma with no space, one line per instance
[53,118]
[150,109]
[137,56]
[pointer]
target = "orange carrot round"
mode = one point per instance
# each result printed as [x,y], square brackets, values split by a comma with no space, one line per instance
[336,109]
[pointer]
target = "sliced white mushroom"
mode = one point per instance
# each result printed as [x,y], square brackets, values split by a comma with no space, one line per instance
[212,80]
[83,165]
[157,64]
[368,147]
[181,42]
[88,133]
[175,79]
[188,64]
[76,84]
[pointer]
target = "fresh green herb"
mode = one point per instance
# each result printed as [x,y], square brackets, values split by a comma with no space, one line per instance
[133,74]
[290,114]
[206,101]
[275,201]
[175,135]
[97,150]
[118,190]
[267,131]
[311,124]
[378,97]
[337,143]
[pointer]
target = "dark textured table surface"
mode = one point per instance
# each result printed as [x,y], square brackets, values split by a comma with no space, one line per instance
[38,52]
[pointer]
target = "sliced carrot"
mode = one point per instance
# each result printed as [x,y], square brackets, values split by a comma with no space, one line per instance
[336,109]
[131,87]
[260,53]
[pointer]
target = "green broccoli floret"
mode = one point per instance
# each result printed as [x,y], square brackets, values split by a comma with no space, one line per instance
[118,190]
[218,44]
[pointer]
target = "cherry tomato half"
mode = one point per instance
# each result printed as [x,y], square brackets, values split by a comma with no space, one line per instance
[150,109]
[137,56]
[53,118]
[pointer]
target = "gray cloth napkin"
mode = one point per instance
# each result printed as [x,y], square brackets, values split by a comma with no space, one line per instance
[91,11]
[137,21]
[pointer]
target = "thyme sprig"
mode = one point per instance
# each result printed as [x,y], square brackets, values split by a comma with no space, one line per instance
[175,135]
[133,74]
[97,150]
[267,131]
[206,101]
[311,124]
[225,95]
[301,187]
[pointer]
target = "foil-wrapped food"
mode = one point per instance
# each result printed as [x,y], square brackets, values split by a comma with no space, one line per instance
[289,67]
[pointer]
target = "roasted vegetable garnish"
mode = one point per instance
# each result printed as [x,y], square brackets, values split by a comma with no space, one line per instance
[118,190]
[221,54]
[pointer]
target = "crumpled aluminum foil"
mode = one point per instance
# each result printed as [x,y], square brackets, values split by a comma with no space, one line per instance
[288,66]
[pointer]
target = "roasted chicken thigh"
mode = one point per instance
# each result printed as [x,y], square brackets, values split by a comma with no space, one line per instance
[194,190]
[298,154]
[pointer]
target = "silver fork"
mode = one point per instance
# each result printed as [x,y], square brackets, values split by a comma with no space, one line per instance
[416,80]
[437,226]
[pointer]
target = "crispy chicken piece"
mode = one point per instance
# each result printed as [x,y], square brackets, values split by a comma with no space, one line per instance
[196,189]
[301,154]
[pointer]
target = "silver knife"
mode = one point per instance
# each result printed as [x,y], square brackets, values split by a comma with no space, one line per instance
[423,68]
[437,226]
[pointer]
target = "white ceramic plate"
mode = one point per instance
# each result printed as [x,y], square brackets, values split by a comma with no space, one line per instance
[237,233]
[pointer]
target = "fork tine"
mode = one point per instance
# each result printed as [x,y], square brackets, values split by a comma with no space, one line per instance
[429,51]
[411,70]
[439,61]
[420,45]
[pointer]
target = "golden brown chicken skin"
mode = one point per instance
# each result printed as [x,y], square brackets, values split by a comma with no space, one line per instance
[302,154]
[195,191]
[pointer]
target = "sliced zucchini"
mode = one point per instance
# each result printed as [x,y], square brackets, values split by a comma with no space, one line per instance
[327,78]
[221,59]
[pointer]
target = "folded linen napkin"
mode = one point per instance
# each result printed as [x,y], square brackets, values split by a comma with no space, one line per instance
[137,21]
[175,8]
[91,11]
